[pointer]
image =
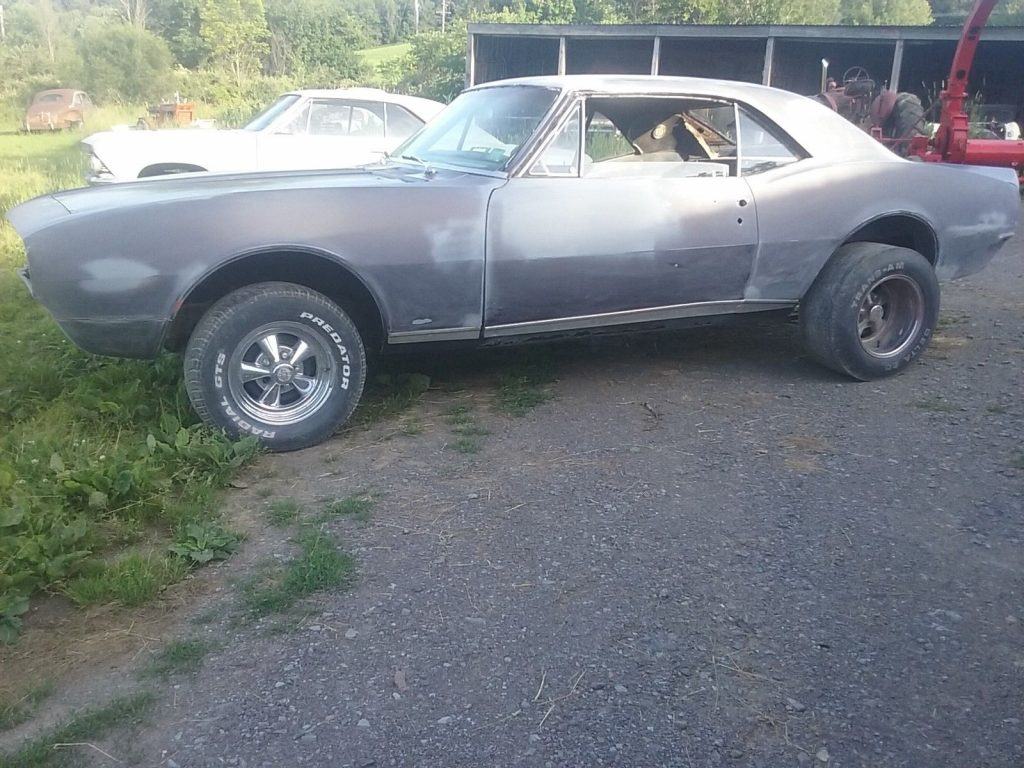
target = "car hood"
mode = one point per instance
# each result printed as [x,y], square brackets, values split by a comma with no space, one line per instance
[200,186]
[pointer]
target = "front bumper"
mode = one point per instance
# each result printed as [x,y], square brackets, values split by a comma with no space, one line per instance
[27,280]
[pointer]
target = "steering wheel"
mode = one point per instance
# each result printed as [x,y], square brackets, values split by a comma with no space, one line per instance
[853,74]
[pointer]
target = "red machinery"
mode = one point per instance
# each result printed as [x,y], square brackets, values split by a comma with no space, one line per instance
[951,143]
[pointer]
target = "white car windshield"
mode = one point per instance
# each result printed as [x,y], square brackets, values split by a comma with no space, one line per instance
[481,130]
[270,114]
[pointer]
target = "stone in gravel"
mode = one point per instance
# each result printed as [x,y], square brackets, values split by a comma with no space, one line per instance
[794,705]
[350,634]
[478,620]
[534,738]
[364,723]
[445,720]
[474,495]
[822,755]
[620,689]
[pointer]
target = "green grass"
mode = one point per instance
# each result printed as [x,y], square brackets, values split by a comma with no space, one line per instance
[96,454]
[383,54]
[319,566]
[387,396]
[465,445]
[357,507]
[523,387]
[283,512]
[14,713]
[936,405]
[131,581]
[85,728]
[178,657]
[1017,460]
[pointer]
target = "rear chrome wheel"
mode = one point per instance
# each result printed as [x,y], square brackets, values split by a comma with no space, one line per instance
[890,316]
[871,311]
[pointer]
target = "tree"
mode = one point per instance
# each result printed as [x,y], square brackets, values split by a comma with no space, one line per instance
[314,37]
[235,31]
[885,12]
[124,63]
[179,23]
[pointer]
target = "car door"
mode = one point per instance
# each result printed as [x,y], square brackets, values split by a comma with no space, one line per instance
[324,133]
[620,237]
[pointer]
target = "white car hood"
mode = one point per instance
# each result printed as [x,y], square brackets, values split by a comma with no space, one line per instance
[126,153]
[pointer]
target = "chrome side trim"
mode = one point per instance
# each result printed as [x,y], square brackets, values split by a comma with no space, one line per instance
[434,334]
[653,314]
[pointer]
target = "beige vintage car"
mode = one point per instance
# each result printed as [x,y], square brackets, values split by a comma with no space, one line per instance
[57,109]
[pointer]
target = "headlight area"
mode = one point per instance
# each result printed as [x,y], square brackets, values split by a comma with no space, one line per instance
[97,172]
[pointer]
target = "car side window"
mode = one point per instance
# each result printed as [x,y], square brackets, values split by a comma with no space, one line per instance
[401,122]
[561,156]
[762,146]
[658,137]
[297,124]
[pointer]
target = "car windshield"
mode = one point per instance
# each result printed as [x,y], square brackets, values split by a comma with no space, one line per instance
[481,130]
[268,115]
[50,98]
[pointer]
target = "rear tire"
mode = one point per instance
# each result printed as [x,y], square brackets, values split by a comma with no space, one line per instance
[277,361]
[871,311]
[905,122]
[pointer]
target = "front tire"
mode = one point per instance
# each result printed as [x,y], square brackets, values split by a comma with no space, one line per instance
[277,361]
[871,311]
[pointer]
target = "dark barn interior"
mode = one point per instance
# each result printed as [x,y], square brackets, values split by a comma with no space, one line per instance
[779,55]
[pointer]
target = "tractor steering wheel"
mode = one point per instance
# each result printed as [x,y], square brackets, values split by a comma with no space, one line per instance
[853,74]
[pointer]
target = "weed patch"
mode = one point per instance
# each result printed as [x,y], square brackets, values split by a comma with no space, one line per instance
[318,566]
[95,454]
[283,512]
[389,396]
[14,713]
[522,388]
[132,580]
[357,507]
[936,405]
[85,728]
[178,657]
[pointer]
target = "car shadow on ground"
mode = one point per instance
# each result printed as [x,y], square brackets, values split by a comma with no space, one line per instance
[740,347]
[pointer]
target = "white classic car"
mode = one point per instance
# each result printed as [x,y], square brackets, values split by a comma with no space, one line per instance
[301,130]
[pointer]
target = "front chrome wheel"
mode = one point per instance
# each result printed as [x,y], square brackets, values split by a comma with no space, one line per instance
[890,316]
[281,373]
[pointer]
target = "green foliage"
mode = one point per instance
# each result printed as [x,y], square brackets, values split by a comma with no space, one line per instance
[179,656]
[14,713]
[319,566]
[434,68]
[315,40]
[357,507]
[85,728]
[389,395]
[179,23]
[203,542]
[236,34]
[885,12]
[124,63]
[94,453]
[131,581]
[522,387]
[283,512]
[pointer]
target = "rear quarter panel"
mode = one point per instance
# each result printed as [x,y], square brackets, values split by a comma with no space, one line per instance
[807,210]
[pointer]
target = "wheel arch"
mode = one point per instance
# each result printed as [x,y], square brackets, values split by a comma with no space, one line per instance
[163,169]
[905,230]
[314,269]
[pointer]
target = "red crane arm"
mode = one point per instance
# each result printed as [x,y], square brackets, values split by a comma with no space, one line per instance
[951,144]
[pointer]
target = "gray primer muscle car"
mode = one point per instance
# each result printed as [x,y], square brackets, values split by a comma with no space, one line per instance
[534,206]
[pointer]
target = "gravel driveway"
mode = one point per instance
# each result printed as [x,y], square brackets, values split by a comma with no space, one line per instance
[703,550]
